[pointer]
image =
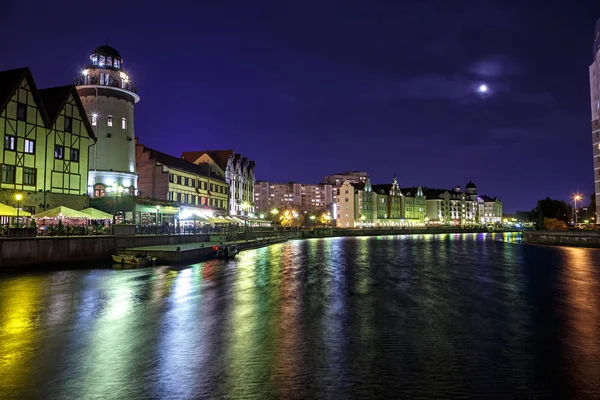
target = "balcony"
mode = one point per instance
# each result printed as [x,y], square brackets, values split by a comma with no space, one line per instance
[84,80]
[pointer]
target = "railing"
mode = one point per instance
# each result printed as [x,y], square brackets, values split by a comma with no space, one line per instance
[94,80]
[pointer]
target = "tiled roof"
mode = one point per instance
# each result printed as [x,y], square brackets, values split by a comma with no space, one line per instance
[181,164]
[221,157]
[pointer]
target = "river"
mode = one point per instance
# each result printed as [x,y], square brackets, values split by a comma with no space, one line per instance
[414,317]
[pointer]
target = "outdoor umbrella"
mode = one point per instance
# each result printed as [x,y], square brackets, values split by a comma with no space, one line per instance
[97,214]
[8,211]
[62,212]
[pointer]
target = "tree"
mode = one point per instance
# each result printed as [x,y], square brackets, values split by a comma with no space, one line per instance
[553,209]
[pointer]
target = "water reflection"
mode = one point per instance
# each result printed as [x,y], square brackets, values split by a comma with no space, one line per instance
[582,320]
[420,317]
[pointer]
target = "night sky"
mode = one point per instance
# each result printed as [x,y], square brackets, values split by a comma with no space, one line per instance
[309,88]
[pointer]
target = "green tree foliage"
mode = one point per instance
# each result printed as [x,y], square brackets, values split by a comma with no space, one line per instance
[553,209]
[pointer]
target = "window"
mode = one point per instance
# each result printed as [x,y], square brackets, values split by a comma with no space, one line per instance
[29,176]
[21,112]
[68,124]
[187,182]
[29,146]
[123,123]
[94,60]
[101,61]
[59,152]
[109,61]
[171,196]
[94,120]
[193,183]
[99,190]
[109,122]
[117,63]
[8,173]
[171,179]
[9,142]
[74,156]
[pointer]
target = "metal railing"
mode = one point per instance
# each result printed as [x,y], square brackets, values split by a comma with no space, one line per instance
[94,80]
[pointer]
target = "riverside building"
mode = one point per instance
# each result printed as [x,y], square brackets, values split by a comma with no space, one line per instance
[109,97]
[294,196]
[46,135]
[595,105]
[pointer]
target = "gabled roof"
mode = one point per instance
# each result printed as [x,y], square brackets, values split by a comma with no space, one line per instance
[49,101]
[9,82]
[385,187]
[488,199]
[181,164]
[221,157]
[54,100]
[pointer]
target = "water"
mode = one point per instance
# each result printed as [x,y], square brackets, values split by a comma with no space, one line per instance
[411,317]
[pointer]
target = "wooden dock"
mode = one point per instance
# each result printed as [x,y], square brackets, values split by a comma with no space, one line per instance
[195,252]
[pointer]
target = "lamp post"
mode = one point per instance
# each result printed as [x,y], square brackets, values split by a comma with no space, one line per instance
[18,196]
[245,206]
[576,198]
[156,223]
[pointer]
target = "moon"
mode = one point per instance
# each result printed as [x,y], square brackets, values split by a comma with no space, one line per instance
[483,88]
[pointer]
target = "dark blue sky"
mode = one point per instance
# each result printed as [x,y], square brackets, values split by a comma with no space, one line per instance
[308,88]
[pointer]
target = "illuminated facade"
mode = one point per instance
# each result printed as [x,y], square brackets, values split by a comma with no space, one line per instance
[297,196]
[595,106]
[165,177]
[46,136]
[109,98]
[462,207]
[238,172]
[345,206]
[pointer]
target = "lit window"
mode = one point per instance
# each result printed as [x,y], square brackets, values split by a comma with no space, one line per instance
[94,60]
[117,63]
[29,146]
[109,61]
[94,120]
[59,152]
[109,121]
[9,142]
[123,123]
[99,190]
[101,61]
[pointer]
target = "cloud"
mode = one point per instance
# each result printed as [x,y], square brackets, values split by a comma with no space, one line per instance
[495,67]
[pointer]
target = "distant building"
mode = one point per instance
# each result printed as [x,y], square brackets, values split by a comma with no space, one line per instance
[292,195]
[595,100]
[462,208]
[380,205]
[238,172]
[165,177]
[109,97]
[46,136]
[353,177]
[344,215]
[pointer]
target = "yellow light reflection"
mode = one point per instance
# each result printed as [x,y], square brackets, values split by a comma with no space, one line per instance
[583,318]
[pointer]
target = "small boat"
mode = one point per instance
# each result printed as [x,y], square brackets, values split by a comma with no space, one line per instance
[226,252]
[140,260]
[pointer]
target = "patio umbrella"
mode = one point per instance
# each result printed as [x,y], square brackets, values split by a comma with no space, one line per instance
[8,211]
[62,212]
[97,214]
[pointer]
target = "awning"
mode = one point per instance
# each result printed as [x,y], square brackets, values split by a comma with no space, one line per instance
[62,212]
[8,211]
[97,214]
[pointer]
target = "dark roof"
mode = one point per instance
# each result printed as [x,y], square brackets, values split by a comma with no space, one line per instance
[470,185]
[9,82]
[54,100]
[221,157]
[488,199]
[181,164]
[107,51]
[385,187]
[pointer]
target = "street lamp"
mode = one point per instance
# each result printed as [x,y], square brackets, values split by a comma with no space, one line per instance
[18,196]
[156,223]
[245,207]
[576,198]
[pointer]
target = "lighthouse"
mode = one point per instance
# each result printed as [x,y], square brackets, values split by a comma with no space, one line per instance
[109,97]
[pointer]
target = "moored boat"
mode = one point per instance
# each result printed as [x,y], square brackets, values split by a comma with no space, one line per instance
[141,260]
